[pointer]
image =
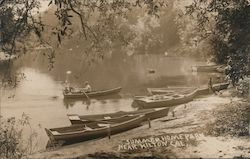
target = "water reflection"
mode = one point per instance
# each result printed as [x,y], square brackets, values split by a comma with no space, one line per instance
[40,94]
[131,73]
[87,102]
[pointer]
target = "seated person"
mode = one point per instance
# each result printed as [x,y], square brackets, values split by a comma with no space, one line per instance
[87,87]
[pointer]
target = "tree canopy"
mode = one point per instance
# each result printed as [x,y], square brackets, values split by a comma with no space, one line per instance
[99,20]
[225,24]
[102,24]
[17,21]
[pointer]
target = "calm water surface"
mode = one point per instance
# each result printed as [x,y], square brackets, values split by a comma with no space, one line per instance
[40,94]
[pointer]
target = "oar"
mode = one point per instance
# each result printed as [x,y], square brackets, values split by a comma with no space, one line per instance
[86,95]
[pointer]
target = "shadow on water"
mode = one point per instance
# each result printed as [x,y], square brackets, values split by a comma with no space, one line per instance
[68,103]
[6,71]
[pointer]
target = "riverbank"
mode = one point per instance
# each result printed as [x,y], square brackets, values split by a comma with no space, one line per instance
[197,130]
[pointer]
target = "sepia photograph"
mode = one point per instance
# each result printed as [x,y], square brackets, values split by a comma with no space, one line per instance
[124,79]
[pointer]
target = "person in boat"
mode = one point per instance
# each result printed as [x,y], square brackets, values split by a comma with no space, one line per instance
[67,88]
[87,87]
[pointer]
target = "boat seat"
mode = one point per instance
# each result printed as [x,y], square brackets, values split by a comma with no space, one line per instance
[87,128]
[55,133]
[107,117]
[74,117]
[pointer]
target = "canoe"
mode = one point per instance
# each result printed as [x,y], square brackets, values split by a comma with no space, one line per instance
[83,132]
[150,114]
[83,119]
[165,100]
[80,94]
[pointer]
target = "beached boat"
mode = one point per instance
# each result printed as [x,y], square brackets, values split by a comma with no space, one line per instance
[165,100]
[80,94]
[169,99]
[206,68]
[82,119]
[83,132]
[117,116]
[220,86]
[157,113]
[171,90]
[216,87]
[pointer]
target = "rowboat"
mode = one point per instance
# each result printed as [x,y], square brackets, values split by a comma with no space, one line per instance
[117,116]
[205,68]
[169,99]
[165,100]
[220,86]
[83,132]
[83,119]
[81,94]
[215,87]
[170,90]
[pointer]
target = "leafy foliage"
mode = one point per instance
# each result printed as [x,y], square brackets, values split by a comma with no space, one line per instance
[104,24]
[225,24]
[12,145]
[243,88]
[232,119]
[17,21]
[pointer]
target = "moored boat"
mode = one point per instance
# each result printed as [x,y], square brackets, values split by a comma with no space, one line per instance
[171,90]
[80,94]
[220,86]
[83,132]
[114,117]
[169,99]
[165,100]
[206,68]
[82,119]
[215,87]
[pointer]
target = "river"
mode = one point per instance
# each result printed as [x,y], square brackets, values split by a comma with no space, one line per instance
[39,94]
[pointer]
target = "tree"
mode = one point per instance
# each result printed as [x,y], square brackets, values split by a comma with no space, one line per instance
[225,24]
[99,20]
[17,21]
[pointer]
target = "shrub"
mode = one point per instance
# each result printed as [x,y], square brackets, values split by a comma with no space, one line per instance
[243,87]
[12,142]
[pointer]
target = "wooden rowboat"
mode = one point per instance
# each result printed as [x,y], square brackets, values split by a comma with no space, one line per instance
[83,132]
[81,94]
[206,68]
[117,116]
[164,100]
[83,119]
[171,90]
[215,87]
[170,99]
[220,86]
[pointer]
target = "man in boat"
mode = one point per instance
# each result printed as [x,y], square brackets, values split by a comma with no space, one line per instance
[87,87]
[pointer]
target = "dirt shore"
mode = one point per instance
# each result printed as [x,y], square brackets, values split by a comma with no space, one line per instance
[182,136]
